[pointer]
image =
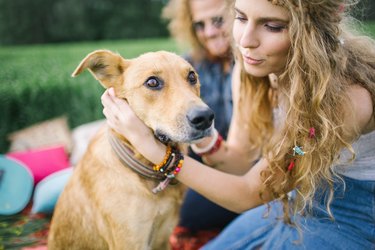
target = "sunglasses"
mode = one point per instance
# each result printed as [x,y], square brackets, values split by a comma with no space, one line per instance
[216,21]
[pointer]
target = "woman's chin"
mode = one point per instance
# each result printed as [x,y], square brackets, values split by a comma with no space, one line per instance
[256,71]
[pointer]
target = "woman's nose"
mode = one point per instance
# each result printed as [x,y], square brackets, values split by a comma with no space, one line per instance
[249,38]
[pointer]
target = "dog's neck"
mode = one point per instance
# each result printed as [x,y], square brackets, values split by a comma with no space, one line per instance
[129,157]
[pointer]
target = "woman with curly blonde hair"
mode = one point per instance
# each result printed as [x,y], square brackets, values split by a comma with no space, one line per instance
[314,186]
[201,30]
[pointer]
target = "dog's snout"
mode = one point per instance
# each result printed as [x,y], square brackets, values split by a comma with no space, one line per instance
[201,118]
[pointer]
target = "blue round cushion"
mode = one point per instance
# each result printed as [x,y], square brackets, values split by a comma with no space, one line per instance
[48,190]
[16,186]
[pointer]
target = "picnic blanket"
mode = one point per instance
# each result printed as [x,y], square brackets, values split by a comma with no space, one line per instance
[24,231]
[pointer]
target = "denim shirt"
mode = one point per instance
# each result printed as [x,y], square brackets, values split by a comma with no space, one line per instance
[216,92]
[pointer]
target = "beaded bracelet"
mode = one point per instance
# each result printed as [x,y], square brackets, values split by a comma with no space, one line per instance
[171,170]
[176,166]
[166,161]
[211,148]
[167,165]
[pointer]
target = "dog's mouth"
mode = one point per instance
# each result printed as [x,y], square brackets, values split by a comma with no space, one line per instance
[198,135]
[162,137]
[194,136]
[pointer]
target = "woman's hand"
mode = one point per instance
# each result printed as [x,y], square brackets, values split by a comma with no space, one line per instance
[122,119]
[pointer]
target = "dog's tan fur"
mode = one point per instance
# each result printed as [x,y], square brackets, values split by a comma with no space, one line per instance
[106,205]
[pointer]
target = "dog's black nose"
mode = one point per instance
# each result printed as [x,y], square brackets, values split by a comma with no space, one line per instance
[201,118]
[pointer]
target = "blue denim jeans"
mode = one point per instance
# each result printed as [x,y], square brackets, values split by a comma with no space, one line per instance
[353,226]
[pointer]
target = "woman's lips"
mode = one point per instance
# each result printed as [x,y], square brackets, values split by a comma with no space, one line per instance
[252,61]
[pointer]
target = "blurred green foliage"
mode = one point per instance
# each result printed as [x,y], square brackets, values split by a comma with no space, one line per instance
[36,82]
[45,21]
[369,28]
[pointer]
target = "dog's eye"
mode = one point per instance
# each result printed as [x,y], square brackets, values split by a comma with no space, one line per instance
[192,77]
[153,83]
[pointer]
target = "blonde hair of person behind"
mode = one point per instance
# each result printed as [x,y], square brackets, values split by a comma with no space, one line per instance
[324,60]
[178,14]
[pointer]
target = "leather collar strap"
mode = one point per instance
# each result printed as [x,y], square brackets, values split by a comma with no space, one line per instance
[126,156]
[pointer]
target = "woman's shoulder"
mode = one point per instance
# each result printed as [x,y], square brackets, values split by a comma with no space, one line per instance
[363,108]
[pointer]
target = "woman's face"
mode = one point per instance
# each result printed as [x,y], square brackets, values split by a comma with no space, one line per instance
[260,32]
[208,24]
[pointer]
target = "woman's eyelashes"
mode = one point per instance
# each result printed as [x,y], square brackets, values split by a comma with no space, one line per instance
[269,26]
[240,18]
[275,27]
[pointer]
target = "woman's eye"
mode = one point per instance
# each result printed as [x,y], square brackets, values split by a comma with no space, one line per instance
[240,18]
[153,83]
[192,77]
[275,28]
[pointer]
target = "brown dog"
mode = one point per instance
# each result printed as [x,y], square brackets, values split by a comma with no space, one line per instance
[106,204]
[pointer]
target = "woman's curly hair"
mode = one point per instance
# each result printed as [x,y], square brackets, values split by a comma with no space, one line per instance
[324,60]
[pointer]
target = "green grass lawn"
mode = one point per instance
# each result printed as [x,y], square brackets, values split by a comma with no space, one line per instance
[36,82]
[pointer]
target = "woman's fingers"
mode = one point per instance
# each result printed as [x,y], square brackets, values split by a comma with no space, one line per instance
[111,91]
[108,100]
[108,109]
[117,101]
[120,116]
[122,119]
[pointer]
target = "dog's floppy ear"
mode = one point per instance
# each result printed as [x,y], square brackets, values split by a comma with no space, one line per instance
[106,66]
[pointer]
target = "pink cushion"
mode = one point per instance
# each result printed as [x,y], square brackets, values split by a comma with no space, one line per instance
[43,161]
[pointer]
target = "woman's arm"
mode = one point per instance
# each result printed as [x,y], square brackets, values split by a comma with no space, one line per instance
[361,119]
[236,193]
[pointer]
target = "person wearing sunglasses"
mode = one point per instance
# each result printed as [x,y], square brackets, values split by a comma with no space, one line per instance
[198,26]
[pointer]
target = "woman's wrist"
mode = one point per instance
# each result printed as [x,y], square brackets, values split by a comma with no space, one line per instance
[155,152]
[158,152]
[152,149]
